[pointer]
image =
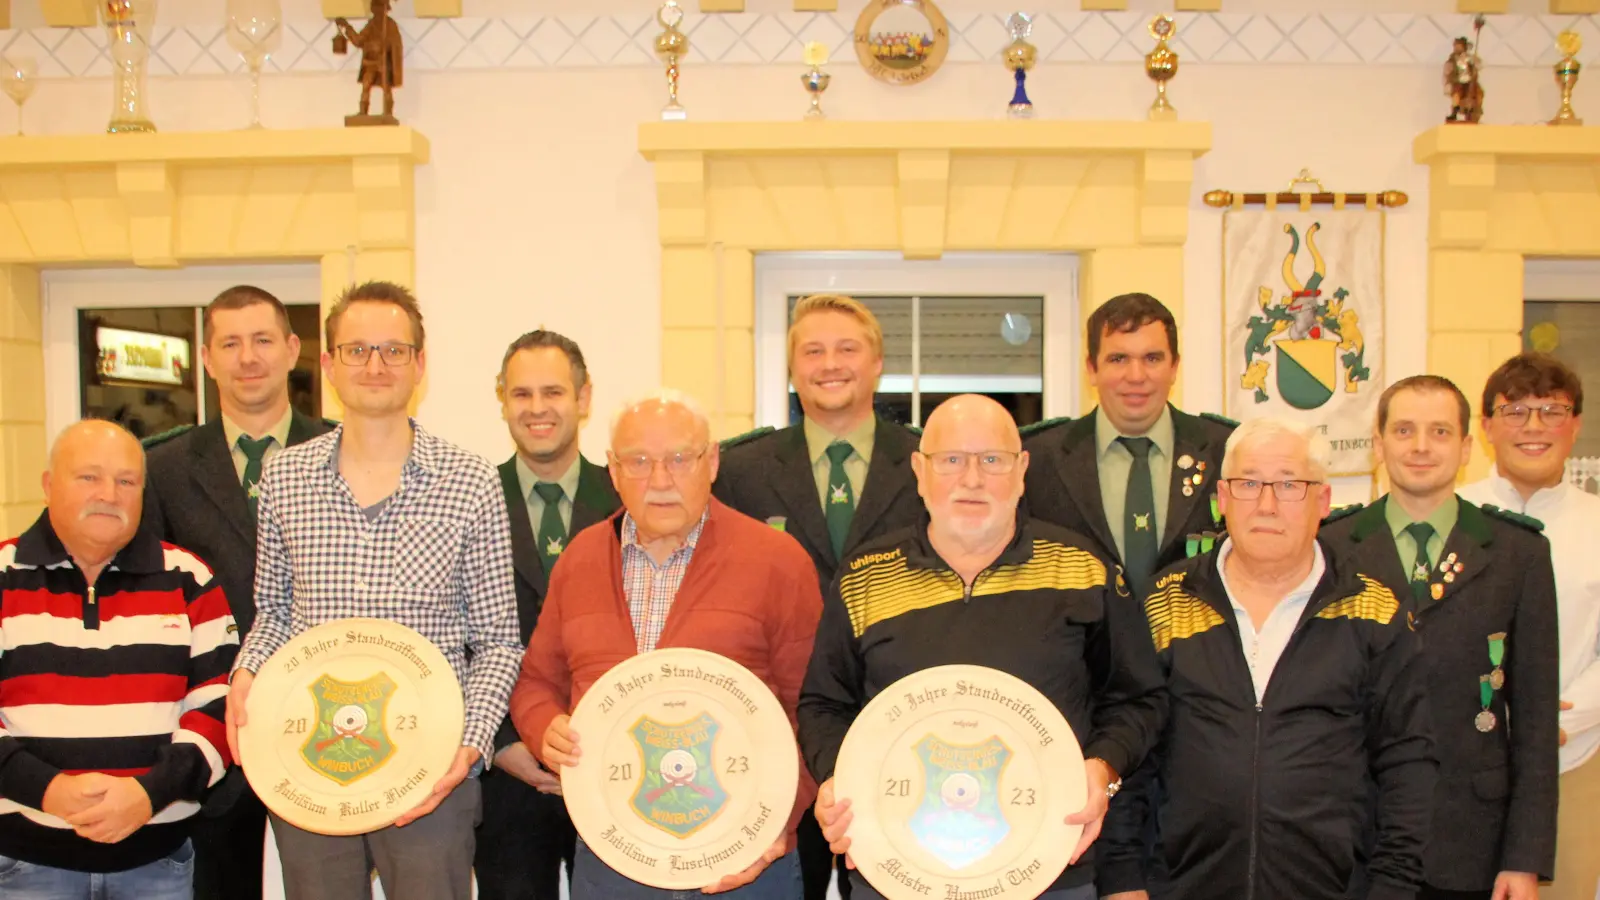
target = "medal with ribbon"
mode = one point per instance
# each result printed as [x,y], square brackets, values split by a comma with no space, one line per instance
[1485,719]
[1497,655]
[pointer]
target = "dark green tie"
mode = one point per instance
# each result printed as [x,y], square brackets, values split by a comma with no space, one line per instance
[840,505]
[552,533]
[1139,542]
[254,452]
[1420,567]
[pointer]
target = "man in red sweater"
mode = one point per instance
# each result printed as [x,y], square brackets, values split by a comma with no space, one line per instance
[674,568]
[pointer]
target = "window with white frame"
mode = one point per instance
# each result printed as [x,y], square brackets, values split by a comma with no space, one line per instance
[1002,325]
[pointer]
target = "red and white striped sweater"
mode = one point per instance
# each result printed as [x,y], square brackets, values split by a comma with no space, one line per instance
[128,677]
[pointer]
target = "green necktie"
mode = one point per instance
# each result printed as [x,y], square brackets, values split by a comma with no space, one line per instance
[1420,566]
[840,506]
[1139,542]
[552,533]
[254,452]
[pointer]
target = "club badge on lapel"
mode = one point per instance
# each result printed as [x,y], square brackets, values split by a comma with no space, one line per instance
[781,523]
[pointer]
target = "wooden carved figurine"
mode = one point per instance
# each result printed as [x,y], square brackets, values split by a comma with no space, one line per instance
[382,61]
[1461,80]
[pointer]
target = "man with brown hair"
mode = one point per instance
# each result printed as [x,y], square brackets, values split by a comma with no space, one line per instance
[840,478]
[1532,412]
[1482,595]
[201,494]
[379,518]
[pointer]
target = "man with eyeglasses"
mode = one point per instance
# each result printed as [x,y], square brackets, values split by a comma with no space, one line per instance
[674,568]
[1294,677]
[1532,413]
[379,518]
[1482,593]
[978,583]
[201,494]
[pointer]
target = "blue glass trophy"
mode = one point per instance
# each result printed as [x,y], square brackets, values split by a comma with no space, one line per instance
[1020,57]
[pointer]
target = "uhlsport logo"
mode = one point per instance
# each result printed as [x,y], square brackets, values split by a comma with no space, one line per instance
[350,741]
[1310,338]
[959,820]
[679,792]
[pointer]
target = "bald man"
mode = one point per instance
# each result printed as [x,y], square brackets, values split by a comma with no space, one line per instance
[994,589]
[673,568]
[117,650]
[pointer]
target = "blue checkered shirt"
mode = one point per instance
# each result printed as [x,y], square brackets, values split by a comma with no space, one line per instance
[437,559]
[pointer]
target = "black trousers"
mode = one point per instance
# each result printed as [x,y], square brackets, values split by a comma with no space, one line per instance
[1429,892]
[524,838]
[229,847]
[817,861]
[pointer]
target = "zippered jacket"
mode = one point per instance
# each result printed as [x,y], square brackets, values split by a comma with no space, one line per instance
[1269,800]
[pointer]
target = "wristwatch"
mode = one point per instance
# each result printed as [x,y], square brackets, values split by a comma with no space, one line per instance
[1113,787]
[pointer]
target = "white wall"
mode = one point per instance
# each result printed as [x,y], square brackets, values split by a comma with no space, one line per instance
[537,210]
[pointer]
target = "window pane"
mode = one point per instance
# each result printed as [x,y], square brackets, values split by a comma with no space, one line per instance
[305,379]
[1569,331]
[136,367]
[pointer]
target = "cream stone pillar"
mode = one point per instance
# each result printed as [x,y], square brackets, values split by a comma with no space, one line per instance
[22,438]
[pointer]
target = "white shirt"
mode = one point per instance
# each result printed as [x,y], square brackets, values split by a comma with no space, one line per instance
[1571,520]
[1263,649]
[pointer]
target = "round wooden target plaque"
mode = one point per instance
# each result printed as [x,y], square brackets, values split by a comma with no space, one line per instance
[960,779]
[688,771]
[349,725]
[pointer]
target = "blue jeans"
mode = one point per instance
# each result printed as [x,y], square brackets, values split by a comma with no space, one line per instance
[171,878]
[594,880]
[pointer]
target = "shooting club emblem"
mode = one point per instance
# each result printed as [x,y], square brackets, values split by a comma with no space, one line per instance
[679,792]
[959,820]
[1313,338]
[350,741]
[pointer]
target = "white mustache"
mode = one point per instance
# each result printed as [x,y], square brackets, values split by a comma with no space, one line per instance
[103,509]
[663,497]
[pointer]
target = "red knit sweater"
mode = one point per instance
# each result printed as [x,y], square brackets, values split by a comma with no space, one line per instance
[750,594]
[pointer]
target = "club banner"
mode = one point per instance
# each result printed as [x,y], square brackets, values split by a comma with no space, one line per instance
[1303,322]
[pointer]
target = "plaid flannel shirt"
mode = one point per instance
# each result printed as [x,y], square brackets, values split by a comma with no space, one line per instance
[437,559]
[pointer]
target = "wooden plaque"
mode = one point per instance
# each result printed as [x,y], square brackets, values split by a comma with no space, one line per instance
[960,778]
[688,771]
[349,725]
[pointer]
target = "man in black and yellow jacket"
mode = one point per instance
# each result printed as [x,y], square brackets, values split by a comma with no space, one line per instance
[1293,678]
[977,584]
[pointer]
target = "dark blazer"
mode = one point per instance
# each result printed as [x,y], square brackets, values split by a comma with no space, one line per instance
[767,475]
[1063,482]
[595,500]
[1495,807]
[193,498]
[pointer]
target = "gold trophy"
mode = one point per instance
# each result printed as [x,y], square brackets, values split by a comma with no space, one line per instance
[1567,76]
[1020,57]
[815,81]
[672,45]
[1161,64]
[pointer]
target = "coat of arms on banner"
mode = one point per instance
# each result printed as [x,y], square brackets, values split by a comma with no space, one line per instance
[960,820]
[350,741]
[679,792]
[1303,309]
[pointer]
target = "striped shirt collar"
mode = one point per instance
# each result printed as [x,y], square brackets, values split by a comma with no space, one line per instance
[40,546]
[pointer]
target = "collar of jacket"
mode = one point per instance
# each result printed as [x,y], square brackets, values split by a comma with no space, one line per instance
[40,546]
[1470,521]
[1339,580]
[921,555]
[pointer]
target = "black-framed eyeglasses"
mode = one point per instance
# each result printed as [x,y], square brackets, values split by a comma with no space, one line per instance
[1553,415]
[640,465]
[1288,491]
[954,462]
[393,353]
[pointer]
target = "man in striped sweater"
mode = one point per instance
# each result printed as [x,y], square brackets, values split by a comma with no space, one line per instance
[114,655]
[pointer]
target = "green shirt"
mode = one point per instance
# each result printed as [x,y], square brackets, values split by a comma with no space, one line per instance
[278,432]
[855,465]
[569,488]
[1443,519]
[1115,462]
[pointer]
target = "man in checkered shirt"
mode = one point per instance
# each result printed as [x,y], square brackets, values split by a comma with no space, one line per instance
[380,518]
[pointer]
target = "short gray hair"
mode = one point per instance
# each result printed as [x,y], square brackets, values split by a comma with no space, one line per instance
[666,397]
[1319,453]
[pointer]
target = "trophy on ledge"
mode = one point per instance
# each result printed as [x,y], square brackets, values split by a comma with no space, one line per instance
[382,61]
[1161,64]
[672,45]
[1567,76]
[128,24]
[815,81]
[1020,57]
